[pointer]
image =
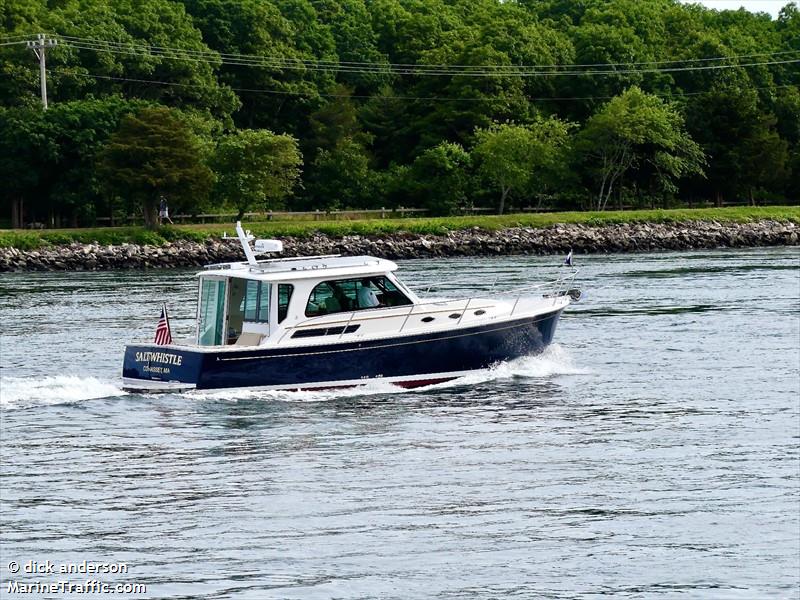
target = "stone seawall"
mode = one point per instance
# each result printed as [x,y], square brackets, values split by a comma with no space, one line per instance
[558,239]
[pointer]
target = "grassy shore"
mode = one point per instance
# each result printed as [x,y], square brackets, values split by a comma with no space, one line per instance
[28,240]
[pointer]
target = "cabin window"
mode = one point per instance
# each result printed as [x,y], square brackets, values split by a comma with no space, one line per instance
[285,291]
[345,295]
[249,304]
[212,309]
[263,302]
[255,303]
[325,298]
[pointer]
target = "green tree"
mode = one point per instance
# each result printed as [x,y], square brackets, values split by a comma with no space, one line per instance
[342,178]
[111,49]
[283,89]
[256,167]
[734,131]
[155,153]
[27,155]
[79,129]
[637,130]
[767,159]
[293,64]
[336,120]
[441,178]
[18,80]
[48,158]
[356,42]
[517,157]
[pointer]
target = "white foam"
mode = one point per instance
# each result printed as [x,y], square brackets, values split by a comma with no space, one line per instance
[555,360]
[370,388]
[20,392]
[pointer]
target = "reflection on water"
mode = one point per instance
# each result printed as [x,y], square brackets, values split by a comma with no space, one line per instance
[649,453]
[656,310]
[749,270]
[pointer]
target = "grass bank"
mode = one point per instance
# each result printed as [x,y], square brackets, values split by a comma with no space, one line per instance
[29,240]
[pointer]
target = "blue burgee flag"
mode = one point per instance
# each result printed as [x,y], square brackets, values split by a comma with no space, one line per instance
[568,260]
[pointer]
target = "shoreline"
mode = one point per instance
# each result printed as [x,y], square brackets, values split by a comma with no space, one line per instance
[555,239]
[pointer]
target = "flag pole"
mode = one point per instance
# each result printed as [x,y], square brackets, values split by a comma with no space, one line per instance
[166,316]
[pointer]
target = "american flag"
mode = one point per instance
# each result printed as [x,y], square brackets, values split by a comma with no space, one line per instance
[163,333]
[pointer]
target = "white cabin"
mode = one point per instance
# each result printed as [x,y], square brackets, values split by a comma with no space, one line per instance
[257,305]
[319,300]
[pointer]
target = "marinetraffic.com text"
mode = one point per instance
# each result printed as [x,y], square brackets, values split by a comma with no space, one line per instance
[47,577]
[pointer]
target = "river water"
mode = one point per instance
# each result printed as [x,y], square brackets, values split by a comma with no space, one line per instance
[652,452]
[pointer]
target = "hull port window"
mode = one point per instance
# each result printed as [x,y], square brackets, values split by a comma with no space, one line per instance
[345,295]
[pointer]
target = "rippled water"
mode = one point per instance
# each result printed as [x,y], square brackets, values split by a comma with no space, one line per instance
[652,452]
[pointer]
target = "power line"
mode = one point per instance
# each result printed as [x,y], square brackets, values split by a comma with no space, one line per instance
[427,71]
[15,36]
[415,98]
[215,59]
[215,56]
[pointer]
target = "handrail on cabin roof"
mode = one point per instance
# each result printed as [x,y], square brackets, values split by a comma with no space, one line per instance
[275,266]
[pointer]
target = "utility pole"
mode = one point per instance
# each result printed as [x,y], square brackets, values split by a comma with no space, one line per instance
[38,48]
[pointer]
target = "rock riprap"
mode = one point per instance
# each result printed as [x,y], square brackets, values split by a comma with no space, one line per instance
[558,239]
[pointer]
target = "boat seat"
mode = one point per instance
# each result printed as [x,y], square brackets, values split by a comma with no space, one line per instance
[249,339]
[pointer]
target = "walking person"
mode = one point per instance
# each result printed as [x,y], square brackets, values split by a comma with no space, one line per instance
[163,212]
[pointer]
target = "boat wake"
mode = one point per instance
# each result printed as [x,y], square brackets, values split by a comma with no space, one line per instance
[23,392]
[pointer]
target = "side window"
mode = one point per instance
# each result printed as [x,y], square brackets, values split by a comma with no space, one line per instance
[325,298]
[285,291]
[390,295]
[263,302]
[255,304]
[343,295]
[250,300]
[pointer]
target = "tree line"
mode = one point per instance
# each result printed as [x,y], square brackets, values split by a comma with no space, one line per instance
[440,104]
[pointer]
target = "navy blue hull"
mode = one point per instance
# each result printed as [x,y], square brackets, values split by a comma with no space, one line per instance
[410,357]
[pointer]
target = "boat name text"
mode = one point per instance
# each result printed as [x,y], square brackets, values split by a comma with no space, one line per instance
[160,357]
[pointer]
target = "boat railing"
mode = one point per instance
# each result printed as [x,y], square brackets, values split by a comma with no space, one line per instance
[554,289]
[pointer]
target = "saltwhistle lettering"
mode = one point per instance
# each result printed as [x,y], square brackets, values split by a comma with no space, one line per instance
[166,358]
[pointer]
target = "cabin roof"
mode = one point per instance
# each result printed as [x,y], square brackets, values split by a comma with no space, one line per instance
[313,267]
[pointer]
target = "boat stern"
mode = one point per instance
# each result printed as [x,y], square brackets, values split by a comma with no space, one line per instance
[151,368]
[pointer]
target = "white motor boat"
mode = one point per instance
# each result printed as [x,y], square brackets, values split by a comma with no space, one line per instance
[337,321]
